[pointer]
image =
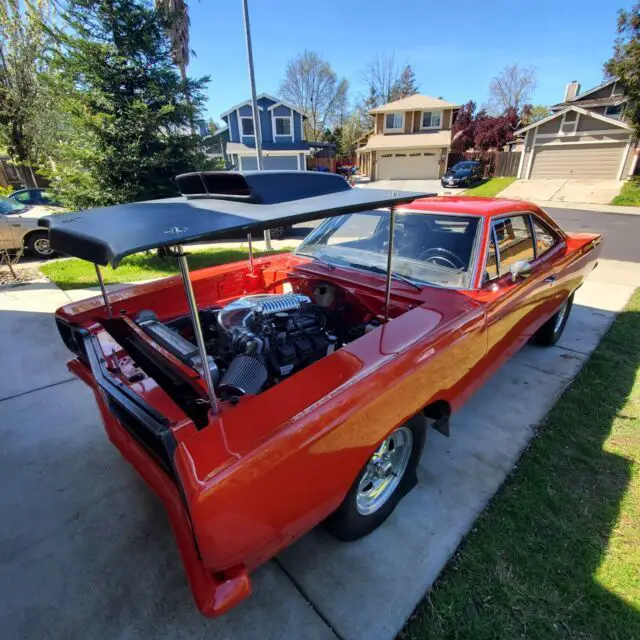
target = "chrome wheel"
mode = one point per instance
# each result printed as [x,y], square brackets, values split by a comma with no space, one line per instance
[41,247]
[384,471]
[557,325]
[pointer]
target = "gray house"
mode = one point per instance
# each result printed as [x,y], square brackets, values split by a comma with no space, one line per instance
[586,137]
[282,128]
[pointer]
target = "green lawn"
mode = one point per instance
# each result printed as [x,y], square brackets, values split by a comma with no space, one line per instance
[77,274]
[490,188]
[557,552]
[629,194]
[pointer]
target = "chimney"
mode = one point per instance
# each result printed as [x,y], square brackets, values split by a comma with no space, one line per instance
[572,90]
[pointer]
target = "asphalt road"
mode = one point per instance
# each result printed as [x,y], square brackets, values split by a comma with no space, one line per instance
[620,230]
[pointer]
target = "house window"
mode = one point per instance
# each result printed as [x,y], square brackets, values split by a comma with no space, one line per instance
[431,119]
[393,122]
[614,112]
[386,155]
[247,126]
[283,126]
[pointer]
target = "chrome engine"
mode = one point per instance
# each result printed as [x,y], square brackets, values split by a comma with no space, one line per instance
[254,341]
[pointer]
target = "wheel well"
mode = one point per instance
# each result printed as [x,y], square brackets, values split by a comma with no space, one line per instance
[439,411]
[25,239]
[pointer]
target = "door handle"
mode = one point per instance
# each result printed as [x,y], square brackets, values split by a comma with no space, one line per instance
[15,224]
[551,279]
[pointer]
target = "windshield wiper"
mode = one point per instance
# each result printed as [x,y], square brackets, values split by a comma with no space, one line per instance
[397,276]
[318,258]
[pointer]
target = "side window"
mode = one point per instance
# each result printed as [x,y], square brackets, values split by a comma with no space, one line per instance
[491,269]
[515,241]
[545,238]
[23,197]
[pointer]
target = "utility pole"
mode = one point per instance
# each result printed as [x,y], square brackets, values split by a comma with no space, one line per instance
[257,129]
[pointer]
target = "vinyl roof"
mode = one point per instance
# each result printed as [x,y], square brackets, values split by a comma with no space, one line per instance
[215,205]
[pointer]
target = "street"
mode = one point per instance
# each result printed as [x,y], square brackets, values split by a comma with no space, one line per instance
[621,230]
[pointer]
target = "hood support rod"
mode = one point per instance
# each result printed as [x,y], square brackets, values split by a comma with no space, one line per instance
[197,329]
[104,292]
[250,241]
[387,291]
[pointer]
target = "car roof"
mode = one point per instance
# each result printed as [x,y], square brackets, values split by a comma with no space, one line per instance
[477,206]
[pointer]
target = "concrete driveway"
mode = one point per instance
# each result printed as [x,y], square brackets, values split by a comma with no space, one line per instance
[574,191]
[86,550]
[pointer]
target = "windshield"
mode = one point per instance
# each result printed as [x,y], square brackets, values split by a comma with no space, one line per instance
[429,248]
[7,206]
[463,165]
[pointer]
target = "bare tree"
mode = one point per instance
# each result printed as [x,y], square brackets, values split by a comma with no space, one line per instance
[381,76]
[311,85]
[512,88]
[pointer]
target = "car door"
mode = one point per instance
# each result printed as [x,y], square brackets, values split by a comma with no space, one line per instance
[516,307]
[6,241]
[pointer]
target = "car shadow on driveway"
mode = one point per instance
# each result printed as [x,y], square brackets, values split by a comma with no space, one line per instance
[535,561]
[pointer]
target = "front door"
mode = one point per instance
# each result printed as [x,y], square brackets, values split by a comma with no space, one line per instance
[516,308]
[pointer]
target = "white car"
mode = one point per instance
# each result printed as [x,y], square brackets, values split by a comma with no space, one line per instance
[19,227]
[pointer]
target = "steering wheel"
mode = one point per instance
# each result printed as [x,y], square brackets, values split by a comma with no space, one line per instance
[442,257]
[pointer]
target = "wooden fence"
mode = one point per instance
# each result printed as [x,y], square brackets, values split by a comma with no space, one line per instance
[494,163]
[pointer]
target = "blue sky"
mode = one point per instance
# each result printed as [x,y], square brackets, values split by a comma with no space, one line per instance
[455,48]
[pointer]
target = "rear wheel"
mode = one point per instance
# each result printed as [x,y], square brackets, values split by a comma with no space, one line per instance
[549,333]
[388,475]
[38,244]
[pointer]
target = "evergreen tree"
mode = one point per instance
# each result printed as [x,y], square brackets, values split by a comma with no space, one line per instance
[405,85]
[625,62]
[130,111]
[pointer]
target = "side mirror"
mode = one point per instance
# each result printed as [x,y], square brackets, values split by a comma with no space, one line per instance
[520,269]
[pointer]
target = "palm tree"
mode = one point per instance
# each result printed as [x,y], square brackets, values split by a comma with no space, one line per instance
[176,15]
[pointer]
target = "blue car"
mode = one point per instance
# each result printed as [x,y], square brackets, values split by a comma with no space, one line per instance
[462,174]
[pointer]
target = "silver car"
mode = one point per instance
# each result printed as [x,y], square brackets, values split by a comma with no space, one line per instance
[19,227]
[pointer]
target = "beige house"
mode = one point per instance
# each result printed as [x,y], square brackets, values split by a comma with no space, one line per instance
[410,139]
[586,138]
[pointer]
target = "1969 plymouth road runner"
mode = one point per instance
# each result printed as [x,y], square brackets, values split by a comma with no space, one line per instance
[261,398]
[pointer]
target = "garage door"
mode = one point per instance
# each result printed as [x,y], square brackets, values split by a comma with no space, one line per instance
[579,161]
[270,163]
[419,164]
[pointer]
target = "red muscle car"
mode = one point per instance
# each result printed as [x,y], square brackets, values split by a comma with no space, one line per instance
[268,396]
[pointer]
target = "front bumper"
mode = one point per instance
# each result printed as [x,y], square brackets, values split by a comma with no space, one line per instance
[215,593]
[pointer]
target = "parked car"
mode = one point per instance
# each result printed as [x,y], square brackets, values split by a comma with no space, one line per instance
[19,228]
[462,174]
[264,397]
[36,197]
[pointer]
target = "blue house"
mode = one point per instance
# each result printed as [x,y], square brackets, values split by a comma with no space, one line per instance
[283,143]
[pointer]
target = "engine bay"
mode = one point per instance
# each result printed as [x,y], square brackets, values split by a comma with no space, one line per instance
[256,341]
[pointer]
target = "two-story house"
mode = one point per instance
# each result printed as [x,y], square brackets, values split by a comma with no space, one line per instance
[586,137]
[410,139]
[282,128]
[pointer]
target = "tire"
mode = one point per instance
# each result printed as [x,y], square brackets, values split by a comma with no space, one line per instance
[38,244]
[360,513]
[549,333]
[277,233]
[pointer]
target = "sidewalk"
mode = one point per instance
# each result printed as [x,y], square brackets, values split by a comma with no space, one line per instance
[86,550]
